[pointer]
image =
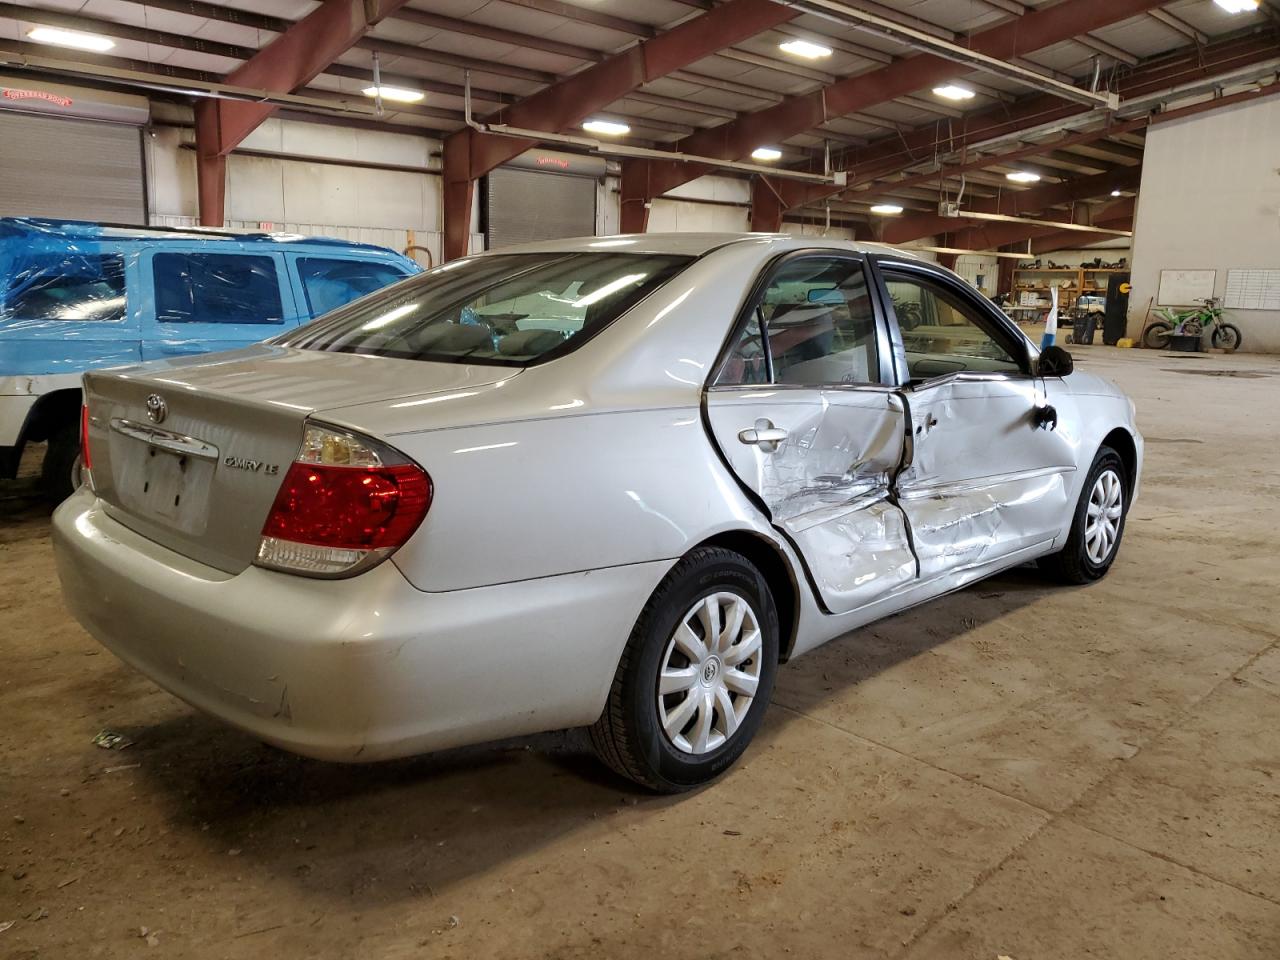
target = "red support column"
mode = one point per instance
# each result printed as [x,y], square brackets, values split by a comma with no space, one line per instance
[766,206]
[292,60]
[211,167]
[459,192]
[634,194]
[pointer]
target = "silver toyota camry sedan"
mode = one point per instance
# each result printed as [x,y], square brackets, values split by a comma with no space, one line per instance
[608,482]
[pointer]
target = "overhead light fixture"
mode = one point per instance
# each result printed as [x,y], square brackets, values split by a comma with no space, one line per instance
[949,91]
[1022,176]
[805,48]
[1237,6]
[610,128]
[886,209]
[398,94]
[71,38]
[766,153]
[1115,193]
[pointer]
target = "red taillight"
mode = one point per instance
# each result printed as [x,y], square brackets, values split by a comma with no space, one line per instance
[86,460]
[351,508]
[346,503]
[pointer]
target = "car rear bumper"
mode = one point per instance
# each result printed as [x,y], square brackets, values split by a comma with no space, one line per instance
[350,670]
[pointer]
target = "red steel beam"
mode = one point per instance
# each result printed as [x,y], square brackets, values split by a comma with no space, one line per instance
[735,140]
[292,60]
[1016,203]
[470,154]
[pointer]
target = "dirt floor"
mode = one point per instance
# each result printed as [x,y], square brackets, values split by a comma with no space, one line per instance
[1015,771]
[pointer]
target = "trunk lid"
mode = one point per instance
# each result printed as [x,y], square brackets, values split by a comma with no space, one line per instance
[190,453]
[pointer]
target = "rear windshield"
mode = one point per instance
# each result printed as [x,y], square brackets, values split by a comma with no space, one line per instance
[512,309]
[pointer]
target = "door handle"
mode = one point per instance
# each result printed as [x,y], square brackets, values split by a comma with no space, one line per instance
[764,435]
[1045,417]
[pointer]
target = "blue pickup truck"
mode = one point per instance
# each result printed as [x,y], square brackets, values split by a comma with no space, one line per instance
[81,296]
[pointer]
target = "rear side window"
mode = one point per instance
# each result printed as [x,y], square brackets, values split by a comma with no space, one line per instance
[216,288]
[509,310]
[817,324]
[72,287]
[330,283]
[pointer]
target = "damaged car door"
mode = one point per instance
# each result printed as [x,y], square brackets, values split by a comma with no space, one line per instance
[805,411]
[986,475]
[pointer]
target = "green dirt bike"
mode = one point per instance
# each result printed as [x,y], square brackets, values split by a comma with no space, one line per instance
[1193,323]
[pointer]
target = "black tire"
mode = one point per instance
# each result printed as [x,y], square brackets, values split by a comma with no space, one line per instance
[1156,336]
[60,472]
[1227,336]
[1072,564]
[629,736]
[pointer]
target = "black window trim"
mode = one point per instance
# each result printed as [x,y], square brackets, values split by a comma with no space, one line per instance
[1024,355]
[751,303]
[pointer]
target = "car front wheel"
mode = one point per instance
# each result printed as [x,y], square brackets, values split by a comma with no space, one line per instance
[1098,524]
[695,677]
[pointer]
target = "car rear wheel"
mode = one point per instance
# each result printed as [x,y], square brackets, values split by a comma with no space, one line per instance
[1098,524]
[695,677]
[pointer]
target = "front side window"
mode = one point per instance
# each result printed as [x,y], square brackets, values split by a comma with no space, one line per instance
[942,334]
[216,288]
[71,287]
[509,309]
[819,327]
[330,283]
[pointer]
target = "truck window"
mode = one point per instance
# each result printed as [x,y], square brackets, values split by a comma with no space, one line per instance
[216,288]
[330,283]
[71,287]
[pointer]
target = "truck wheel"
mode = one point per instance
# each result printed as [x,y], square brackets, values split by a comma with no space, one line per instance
[60,474]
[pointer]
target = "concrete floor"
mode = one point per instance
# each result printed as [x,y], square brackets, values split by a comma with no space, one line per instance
[1017,770]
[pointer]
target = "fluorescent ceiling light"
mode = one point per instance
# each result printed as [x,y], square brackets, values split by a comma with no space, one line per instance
[806,49]
[71,38]
[398,94]
[766,153]
[1237,6]
[950,91]
[1115,193]
[610,128]
[886,209]
[1022,176]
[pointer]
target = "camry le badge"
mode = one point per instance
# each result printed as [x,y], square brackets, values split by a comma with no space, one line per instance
[157,409]
[253,466]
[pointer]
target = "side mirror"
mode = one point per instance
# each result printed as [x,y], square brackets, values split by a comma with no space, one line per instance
[1055,362]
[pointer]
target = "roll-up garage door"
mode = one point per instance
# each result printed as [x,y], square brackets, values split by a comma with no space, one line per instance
[527,205]
[71,169]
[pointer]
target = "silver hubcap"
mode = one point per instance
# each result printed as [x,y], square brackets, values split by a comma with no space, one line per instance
[710,673]
[1102,524]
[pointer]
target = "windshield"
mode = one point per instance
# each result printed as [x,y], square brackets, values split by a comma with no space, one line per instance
[511,309]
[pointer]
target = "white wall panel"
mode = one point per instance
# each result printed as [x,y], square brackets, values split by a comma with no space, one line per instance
[688,216]
[1210,199]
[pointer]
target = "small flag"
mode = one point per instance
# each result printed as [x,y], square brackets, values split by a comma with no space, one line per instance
[1051,321]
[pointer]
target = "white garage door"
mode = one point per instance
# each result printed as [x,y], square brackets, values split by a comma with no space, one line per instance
[71,169]
[527,205]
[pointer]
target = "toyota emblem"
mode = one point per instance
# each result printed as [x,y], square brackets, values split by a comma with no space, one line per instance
[157,409]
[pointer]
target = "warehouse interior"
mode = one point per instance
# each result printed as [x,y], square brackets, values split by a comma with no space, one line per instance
[1008,773]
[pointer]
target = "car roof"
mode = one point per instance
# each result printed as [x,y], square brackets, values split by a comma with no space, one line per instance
[693,244]
[73,230]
